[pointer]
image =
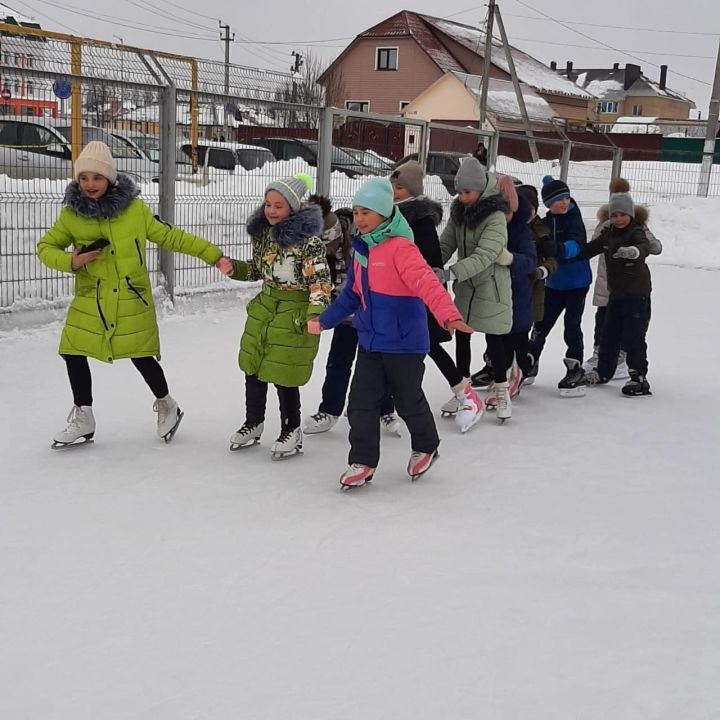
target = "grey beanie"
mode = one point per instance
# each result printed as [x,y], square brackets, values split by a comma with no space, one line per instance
[621,203]
[293,189]
[410,175]
[471,176]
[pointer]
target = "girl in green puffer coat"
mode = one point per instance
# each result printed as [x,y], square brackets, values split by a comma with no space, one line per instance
[288,255]
[112,315]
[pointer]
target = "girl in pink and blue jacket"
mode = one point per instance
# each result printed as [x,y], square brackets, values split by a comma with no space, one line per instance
[388,286]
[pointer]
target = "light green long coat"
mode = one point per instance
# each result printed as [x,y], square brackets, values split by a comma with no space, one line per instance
[112,314]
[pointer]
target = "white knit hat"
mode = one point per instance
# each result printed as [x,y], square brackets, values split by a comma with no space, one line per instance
[96,158]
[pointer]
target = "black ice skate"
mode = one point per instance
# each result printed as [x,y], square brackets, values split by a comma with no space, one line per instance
[636,386]
[483,378]
[573,384]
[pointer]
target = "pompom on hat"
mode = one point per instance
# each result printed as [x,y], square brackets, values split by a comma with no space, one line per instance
[96,158]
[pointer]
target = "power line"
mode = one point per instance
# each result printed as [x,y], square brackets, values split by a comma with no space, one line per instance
[175,6]
[600,42]
[52,20]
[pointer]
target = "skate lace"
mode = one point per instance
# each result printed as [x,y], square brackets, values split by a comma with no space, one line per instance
[246,429]
[285,435]
[161,408]
[388,419]
[73,420]
[501,398]
[319,417]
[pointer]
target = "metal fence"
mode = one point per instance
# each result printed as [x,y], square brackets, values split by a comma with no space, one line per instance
[203,141]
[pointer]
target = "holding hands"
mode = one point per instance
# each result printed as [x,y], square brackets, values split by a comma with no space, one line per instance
[627,253]
[225,266]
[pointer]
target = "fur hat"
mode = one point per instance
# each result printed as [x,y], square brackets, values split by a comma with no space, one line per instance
[553,190]
[410,175]
[376,194]
[96,158]
[621,203]
[471,176]
[293,189]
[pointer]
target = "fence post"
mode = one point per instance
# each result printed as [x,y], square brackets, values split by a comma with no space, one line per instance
[711,133]
[617,162]
[493,142]
[325,145]
[424,145]
[168,172]
[565,160]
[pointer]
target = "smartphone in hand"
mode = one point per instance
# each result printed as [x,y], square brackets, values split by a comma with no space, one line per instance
[96,245]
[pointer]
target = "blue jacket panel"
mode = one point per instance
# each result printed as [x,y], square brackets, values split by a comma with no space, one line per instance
[522,270]
[570,236]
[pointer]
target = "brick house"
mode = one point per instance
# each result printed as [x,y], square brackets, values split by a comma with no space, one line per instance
[387,66]
[626,92]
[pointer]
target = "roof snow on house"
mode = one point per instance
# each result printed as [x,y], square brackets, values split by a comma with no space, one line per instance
[8,15]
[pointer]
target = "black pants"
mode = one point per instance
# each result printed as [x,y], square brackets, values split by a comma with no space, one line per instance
[516,347]
[445,363]
[338,370]
[78,370]
[256,402]
[375,375]
[463,354]
[572,302]
[626,324]
[600,314]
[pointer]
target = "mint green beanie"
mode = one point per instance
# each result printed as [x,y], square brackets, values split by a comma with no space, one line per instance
[376,195]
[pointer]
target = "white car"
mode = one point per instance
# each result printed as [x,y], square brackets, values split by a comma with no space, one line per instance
[32,147]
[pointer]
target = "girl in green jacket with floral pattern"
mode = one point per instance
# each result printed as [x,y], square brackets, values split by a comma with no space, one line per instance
[288,255]
[112,315]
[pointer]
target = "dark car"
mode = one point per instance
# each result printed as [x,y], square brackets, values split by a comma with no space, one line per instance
[291,148]
[443,163]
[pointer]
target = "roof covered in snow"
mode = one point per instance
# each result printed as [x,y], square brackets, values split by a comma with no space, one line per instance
[8,15]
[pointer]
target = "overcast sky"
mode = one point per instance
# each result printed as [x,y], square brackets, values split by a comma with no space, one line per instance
[688,43]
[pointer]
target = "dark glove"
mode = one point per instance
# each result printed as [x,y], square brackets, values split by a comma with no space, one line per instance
[548,248]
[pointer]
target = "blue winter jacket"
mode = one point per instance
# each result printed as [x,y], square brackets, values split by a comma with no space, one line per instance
[522,270]
[570,237]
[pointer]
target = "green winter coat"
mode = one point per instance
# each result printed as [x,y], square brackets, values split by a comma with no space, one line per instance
[290,260]
[478,232]
[112,314]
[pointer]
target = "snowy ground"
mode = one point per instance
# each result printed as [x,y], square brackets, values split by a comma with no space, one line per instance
[562,566]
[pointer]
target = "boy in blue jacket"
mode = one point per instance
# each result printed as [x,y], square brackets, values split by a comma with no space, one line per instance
[567,287]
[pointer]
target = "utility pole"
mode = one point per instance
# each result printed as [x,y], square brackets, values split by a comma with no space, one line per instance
[486,63]
[227,40]
[711,133]
[122,76]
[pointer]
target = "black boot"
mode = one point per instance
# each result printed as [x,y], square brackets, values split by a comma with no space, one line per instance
[636,386]
[573,384]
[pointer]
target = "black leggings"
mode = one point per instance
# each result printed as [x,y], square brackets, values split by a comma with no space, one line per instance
[445,363]
[463,353]
[256,402]
[78,370]
[516,346]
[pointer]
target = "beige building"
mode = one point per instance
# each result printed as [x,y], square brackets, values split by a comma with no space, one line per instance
[389,65]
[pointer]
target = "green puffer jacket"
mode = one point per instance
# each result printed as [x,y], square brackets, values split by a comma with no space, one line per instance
[478,233]
[290,260]
[112,315]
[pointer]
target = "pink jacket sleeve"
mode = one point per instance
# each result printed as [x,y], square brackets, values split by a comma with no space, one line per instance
[422,282]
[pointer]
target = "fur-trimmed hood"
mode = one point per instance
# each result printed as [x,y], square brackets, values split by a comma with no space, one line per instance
[305,223]
[112,203]
[417,208]
[642,213]
[473,215]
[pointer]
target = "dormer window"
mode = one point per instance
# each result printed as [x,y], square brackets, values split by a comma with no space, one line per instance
[386,58]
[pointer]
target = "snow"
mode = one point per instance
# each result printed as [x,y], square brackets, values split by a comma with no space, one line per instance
[602,88]
[564,565]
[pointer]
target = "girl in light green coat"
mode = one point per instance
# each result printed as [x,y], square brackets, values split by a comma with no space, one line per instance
[112,315]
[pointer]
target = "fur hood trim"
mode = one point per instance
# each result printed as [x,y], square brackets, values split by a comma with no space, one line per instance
[642,213]
[420,207]
[111,204]
[305,223]
[473,215]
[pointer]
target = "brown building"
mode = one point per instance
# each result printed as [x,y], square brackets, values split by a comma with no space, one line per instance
[626,92]
[390,64]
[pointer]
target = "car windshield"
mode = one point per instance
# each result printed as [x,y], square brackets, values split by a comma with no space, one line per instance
[119,147]
[339,157]
[370,159]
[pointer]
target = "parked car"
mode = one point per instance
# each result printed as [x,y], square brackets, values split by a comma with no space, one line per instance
[147,145]
[291,148]
[223,156]
[377,164]
[33,147]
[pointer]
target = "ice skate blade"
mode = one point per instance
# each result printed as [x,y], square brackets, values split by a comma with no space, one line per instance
[234,447]
[77,443]
[345,488]
[504,420]
[464,428]
[167,437]
[285,455]
[527,382]
[572,392]
[446,414]
[639,395]
[435,456]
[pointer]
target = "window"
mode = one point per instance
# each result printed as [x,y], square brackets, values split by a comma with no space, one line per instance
[29,62]
[8,58]
[404,104]
[607,106]
[36,138]
[386,58]
[30,88]
[358,105]
[637,110]
[9,133]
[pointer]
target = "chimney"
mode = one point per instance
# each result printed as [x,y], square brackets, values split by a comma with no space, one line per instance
[553,65]
[663,76]
[632,74]
[568,70]
[616,66]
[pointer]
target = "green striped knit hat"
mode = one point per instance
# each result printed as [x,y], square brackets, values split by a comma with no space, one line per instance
[293,189]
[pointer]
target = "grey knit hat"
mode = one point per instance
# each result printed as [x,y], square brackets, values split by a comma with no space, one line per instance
[621,203]
[410,175]
[293,189]
[471,176]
